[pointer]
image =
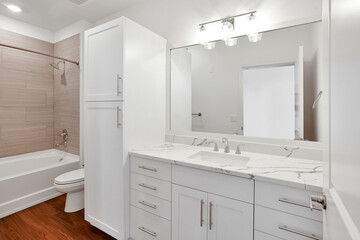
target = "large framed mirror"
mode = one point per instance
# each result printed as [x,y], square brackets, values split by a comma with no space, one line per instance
[266,89]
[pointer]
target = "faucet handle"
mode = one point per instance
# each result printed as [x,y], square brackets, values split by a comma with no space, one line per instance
[216,147]
[238,151]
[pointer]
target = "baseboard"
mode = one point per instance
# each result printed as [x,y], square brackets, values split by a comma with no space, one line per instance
[103,227]
[26,201]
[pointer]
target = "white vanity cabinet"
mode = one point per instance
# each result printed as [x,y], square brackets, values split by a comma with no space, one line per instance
[175,202]
[284,213]
[150,199]
[211,206]
[198,215]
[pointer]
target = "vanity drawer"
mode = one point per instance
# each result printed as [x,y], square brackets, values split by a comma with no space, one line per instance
[152,186]
[151,204]
[286,199]
[293,227]
[263,236]
[147,226]
[151,168]
[236,187]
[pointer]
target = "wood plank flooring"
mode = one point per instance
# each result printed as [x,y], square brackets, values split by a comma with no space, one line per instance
[48,221]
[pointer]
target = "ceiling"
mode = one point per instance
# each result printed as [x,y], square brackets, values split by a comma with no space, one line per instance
[57,14]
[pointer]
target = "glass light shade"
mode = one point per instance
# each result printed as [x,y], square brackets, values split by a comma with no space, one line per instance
[255,37]
[227,30]
[230,42]
[209,45]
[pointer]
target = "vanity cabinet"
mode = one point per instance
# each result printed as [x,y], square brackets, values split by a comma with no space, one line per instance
[199,215]
[150,199]
[175,202]
[211,206]
[284,212]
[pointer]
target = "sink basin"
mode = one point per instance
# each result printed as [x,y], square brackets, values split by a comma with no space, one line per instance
[220,158]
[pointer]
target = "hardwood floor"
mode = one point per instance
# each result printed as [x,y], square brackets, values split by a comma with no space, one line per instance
[49,221]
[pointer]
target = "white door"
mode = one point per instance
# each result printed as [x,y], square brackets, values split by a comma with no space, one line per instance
[189,214]
[103,62]
[269,101]
[103,157]
[181,95]
[229,219]
[342,155]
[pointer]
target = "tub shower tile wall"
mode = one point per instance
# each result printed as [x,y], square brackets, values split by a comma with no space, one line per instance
[67,94]
[33,110]
[26,96]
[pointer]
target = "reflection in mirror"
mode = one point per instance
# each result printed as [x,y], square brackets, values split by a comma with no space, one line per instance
[264,89]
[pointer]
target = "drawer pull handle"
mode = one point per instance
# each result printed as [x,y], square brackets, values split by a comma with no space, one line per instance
[210,217]
[285,200]
[148,168]
[145,230]
[311,236]
[147,186]
[201,212]
[148,204]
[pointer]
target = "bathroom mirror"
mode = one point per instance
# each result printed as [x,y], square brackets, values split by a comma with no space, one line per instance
[264,89]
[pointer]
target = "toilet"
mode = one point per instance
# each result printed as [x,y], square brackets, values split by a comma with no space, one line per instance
[72,183]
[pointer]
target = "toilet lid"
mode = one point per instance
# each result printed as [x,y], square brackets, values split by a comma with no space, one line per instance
[71,177]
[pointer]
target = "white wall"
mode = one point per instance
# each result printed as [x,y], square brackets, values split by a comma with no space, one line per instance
[26,29]
[29,30]
[216,76]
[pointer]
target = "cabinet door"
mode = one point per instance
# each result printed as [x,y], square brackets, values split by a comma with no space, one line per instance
[104,62]
[229,219]
[189,209]
[104,177]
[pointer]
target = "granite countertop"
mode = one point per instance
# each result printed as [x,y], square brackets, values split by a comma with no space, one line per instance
[294,172]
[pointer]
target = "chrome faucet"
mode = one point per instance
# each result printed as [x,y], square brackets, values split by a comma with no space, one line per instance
[65,135]
[226,148]
[216,147]
[238,150]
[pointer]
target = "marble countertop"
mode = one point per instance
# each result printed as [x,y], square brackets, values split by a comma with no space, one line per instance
[294,172]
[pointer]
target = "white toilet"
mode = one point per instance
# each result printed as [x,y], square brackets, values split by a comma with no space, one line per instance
[72,183]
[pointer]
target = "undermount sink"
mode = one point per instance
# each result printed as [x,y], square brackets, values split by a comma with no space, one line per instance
[220,158]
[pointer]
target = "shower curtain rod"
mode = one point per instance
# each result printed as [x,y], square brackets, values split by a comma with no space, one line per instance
[40,53]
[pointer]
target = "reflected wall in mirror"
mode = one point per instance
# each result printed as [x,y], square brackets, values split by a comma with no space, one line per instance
[264,89]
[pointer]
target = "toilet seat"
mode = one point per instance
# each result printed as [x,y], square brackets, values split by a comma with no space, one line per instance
[72,177]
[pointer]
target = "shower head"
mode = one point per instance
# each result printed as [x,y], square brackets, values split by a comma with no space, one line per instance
[56,65]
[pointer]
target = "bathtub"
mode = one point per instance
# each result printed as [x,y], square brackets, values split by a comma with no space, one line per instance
[26,180]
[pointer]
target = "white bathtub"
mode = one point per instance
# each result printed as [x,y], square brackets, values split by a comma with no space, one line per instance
[26,180]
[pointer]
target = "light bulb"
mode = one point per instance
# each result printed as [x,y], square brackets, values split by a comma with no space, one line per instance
[230,42]
[227,29]
[253,33]
[209,45]
[255,37]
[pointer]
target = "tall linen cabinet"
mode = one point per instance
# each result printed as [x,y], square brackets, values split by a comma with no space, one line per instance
[124,107]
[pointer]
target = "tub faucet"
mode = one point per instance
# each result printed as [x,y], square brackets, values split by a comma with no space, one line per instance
[226,148]
[65,135]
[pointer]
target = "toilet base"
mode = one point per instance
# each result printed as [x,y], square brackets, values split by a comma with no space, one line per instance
[74,201]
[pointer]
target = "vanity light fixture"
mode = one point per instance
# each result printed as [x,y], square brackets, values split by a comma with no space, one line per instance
[14,8]
[253,35]
[204,38]
[227,31]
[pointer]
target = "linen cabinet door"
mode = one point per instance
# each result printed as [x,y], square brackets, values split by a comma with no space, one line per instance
[229,219]
[103,154]
[104,62]
[189,214]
